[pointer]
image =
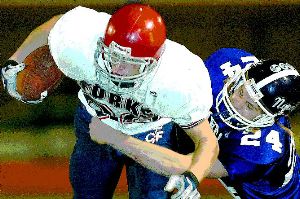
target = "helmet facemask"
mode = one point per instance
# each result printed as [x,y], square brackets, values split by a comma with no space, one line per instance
[113,55]
[231,116]
[273,85]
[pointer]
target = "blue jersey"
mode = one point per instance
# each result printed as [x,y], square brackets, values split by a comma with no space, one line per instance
[263,164]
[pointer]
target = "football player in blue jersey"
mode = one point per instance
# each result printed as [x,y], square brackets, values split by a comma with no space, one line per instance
[252,100]
[135,83]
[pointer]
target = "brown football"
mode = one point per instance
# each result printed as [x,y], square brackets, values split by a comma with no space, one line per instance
[40,74]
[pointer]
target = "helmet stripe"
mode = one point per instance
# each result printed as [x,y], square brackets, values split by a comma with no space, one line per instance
[275,76]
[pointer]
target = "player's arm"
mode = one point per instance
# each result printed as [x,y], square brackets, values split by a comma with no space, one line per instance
[205,154]
[37,38]
[160,159]
[206,149]
[9,71]
[185,171]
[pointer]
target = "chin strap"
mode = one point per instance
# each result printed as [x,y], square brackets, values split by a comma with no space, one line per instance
[9,72]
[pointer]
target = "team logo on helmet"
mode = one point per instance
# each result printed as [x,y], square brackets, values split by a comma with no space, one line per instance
[281,66]
[281,105]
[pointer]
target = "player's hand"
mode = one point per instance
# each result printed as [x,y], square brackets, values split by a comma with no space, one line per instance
[183,186]
[9,71]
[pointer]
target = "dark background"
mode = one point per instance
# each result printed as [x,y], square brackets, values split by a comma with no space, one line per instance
[271,31]
[267,31]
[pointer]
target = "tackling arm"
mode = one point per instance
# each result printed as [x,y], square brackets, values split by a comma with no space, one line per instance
[160,159]
[206,152]
[206,149]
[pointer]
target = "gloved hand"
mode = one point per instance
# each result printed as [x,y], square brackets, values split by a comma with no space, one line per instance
[186,185]
[8,73]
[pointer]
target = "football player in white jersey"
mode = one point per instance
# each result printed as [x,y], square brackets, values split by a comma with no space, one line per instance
[135,84]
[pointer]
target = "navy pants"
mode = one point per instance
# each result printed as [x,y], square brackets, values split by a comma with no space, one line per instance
[95,169]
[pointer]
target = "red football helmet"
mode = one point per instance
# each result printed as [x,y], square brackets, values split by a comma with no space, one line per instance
[135,35]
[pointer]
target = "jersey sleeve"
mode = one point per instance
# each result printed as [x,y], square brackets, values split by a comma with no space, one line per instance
[73,41]
[188,96]
[196,107]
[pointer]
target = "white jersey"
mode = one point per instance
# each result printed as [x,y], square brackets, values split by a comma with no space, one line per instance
[179,90]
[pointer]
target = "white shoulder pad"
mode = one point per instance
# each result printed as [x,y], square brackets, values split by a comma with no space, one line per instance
[183,86]
[73,41]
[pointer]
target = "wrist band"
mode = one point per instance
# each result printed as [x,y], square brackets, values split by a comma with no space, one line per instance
[10,62]
[191,176]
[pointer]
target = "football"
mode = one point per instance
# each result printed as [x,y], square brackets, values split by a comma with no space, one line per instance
[40,74]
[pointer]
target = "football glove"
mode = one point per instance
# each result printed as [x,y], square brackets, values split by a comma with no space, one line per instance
[8,74]
[186,185]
